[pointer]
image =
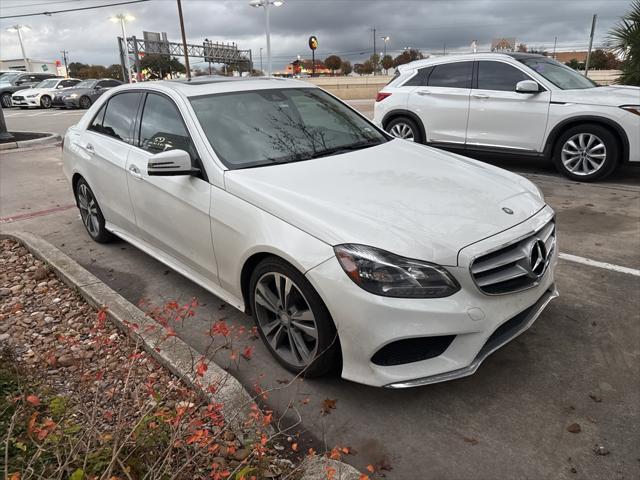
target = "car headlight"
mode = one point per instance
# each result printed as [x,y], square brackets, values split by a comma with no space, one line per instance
[635,109]
[73,95]
[389,275]
[33,95]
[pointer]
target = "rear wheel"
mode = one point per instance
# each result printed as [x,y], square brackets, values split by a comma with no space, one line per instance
[586,153]
[85,102]
[91,214]
[404,128]
[45,101]
[292,319]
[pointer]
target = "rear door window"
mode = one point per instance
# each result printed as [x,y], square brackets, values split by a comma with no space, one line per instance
[420,79]
[119,116]
[451,75]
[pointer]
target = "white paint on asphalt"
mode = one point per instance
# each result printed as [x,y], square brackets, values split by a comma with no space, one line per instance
[594,263]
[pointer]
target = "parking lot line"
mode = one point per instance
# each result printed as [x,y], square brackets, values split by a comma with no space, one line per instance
[595,263]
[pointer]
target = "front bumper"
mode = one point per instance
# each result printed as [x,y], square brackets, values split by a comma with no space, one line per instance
[25,102]
[366,323]
[70,102]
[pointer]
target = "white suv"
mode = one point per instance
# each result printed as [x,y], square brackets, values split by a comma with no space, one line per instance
[522,104]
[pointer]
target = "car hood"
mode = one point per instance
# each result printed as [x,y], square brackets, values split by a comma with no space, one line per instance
[405,198]
[69,91]
[613,95]
[36,91]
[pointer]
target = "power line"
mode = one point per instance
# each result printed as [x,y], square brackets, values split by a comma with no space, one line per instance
[40,4]
[72,9]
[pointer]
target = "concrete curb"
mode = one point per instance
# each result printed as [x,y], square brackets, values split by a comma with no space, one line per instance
[175,355]
[50,139]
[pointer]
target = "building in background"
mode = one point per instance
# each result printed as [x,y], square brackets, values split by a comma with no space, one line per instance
[303,67]
[34,66]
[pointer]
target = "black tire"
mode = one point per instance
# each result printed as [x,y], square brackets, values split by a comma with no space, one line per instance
[85,102]
[45,101]
[95,228]
[400,124]
[326,348]
[5,100]
[601,135]
[24,108]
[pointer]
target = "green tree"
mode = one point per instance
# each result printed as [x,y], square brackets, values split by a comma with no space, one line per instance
[387,62]
[75,67]
[574,63]
[624,40]
[115,71]
[161,65]
[603,60]
[407,56]
[333,63]
[345,67]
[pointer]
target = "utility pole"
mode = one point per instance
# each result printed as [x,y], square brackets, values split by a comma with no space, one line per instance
[593,28]
[184,41]
[555,42]
[375,63]
[64,57]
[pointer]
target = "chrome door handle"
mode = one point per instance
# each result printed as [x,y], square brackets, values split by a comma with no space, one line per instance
[135,171]
[424,92]
[479,95]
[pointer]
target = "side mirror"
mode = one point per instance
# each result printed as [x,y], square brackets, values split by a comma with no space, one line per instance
[171,162]
[527,86]
[98,87]
[60,86]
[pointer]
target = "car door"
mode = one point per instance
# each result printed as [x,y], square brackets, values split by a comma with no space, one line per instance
[105,146]
[172,212]
[501,117]
[442,101]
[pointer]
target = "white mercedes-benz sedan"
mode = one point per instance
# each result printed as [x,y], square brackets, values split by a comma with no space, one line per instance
[398,264]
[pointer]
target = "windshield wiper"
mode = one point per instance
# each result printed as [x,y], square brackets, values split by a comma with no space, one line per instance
[345,148]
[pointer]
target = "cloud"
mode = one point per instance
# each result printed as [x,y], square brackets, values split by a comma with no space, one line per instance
[342,26]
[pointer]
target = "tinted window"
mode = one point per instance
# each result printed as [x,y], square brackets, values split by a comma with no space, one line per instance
[162,127]
[109,83]
[499,76]
[119,117]
[453,75]
[96,124]
[69,83]
[420,79]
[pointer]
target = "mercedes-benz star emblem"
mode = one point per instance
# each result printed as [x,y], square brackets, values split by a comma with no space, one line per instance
[538,258]
[507,210]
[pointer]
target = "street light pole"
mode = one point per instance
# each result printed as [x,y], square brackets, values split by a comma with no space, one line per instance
[64,57]
[184,41]
[18,29]
[266,4]
[122,18]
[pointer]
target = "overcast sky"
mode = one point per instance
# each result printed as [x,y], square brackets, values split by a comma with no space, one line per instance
[342,26]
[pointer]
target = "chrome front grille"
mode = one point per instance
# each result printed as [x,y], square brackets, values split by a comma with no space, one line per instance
[516,266]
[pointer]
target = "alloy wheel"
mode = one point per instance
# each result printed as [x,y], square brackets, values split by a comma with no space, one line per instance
[85,103]
[45,102]
[584,154]
[286,319]
[402,130]
[88,210]
[6,101]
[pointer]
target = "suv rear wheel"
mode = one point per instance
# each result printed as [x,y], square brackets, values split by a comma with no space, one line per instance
[586,153]
[405,128]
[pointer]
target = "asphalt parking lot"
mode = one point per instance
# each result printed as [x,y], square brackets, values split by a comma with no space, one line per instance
[579,363]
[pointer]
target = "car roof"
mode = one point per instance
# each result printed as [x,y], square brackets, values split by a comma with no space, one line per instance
[466,56]
[218,84]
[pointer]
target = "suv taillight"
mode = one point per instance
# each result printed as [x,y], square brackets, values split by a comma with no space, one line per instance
[382,95]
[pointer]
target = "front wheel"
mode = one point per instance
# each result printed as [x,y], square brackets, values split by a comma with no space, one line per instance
[292,319]
[586,153]
[91,214]
[404,128]
[5,99]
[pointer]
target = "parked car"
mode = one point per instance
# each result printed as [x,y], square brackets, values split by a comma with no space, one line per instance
[516,104]
[11,82]
[403,264]
[84,93]
[42,94]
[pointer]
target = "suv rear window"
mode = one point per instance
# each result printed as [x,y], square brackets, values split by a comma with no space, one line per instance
[452,75]
[419,79]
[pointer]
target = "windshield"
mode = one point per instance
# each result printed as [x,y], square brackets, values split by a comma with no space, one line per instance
[263,127]
[9,76]
[51,83]
[560,75]
[86,84]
